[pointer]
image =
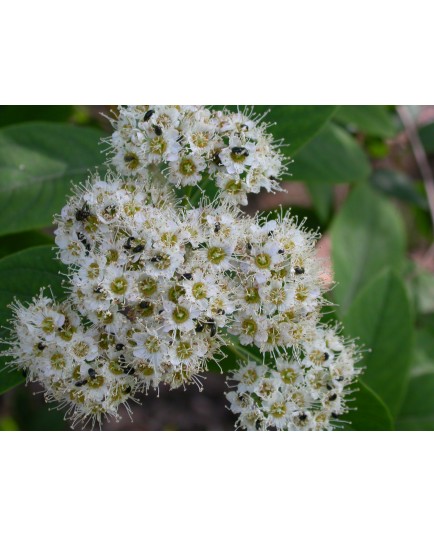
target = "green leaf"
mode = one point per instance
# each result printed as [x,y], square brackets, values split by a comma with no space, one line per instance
[373,120]
[369,411]
[331,157]
[32,413]
[426,322]
[423,361]
[37,163]
[12,243]
[398,185]
[376,147]
[12,115]
[421,288]
[417,412]
[296,125]
[8,424]
[381,318]
[22,275]
[367,236]
[421,223]
[426,134]
[321,194]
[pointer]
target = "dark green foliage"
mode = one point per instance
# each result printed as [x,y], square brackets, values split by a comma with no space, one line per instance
[38,161]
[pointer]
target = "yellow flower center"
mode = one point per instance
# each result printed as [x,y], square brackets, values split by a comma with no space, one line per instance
[263,260]
[216,255]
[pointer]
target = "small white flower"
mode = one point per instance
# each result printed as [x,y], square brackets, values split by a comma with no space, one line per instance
[186,170]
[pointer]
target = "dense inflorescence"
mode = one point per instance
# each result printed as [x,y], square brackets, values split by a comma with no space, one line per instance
[158,287]
[79,365]
[233,149]
[279,294]
[307,393]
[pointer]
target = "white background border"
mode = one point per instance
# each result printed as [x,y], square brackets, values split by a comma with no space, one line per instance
[221,52]
[189,483]
[272,52]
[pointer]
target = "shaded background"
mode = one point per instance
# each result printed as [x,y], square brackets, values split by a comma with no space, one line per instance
[398,145]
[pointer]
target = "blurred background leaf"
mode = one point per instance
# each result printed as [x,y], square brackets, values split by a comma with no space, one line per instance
[369,411]
[423,361]
[38,161]
[321,194]
[398,185]
[418,409]
[331,157]
[13,243]
[297,125]
[426,134]
[367,235]
[380,318]
[421,289]
[8,424]
[12,115]
[76,114]
[373,120]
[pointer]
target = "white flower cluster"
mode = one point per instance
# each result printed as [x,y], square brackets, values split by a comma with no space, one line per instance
[148,299]
[79,366]
[192,143]
[157,287]
[307,393]
[279,294]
